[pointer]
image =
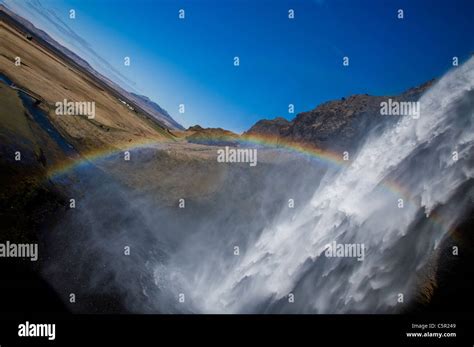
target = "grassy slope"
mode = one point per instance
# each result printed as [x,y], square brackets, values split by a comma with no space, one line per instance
[54,80]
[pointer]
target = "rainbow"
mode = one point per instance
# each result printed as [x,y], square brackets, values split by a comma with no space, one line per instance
[324,156]
[89,158]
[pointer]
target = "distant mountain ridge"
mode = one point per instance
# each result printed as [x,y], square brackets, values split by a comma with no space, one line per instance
[154,108]
[336,123]
[136,101]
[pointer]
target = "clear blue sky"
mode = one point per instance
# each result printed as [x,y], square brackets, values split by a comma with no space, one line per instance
[282,61]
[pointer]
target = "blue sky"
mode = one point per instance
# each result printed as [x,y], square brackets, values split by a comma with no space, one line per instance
[282,61]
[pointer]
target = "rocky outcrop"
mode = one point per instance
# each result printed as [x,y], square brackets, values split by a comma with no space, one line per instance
[336,124]
[276,127]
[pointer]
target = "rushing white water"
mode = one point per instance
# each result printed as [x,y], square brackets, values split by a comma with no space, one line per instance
[355,204]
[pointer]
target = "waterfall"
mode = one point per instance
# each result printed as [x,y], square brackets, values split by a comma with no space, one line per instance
[394,198]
